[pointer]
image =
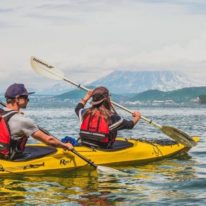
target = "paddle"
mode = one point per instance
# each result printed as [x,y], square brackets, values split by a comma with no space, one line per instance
[45,69]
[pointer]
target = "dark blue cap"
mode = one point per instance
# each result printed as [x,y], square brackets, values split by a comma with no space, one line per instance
[15,90]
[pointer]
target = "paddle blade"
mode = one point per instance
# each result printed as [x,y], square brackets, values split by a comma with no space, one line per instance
[44,69]
[179,136]
[110,171]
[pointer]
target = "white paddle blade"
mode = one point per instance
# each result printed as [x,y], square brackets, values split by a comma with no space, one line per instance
[110,171]
[44,69]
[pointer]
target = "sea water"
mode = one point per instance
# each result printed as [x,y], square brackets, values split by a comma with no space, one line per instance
[172,181]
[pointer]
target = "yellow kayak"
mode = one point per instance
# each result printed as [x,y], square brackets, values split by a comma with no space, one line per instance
[40,158]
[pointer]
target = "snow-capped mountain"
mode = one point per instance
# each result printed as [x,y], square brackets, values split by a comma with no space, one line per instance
[139,81]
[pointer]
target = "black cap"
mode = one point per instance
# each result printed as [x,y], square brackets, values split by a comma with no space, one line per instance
[15,90]
[99,95]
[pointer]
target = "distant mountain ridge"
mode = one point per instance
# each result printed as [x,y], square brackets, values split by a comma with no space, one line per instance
[184,95]
[178,96]
[140,81]
[77,94]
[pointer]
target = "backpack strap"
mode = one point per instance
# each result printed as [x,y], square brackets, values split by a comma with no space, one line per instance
[7,115]
[1,112]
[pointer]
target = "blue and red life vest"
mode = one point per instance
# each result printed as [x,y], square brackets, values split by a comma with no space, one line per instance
[7,145]
[95,130]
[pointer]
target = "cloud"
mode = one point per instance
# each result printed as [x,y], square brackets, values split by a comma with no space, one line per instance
[88,39]
[6,10]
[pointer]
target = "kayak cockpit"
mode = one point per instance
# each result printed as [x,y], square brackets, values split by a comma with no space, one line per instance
[118,145]
[33,152]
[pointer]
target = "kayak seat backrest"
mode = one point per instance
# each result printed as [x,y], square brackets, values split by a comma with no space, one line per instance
[33,152]
[120,144]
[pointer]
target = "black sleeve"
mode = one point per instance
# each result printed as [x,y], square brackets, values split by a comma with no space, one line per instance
[78,107]
[127,124]
[119,123]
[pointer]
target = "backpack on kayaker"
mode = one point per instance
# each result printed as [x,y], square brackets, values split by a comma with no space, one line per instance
[95,131]
[5,136]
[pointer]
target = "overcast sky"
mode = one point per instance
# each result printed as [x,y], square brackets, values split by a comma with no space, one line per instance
[90,38]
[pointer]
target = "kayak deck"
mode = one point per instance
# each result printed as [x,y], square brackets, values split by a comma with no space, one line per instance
[41,158]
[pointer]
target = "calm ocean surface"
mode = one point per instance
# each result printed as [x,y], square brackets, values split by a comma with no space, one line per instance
[178,181]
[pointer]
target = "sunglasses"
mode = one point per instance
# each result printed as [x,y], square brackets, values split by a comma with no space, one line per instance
[24,97]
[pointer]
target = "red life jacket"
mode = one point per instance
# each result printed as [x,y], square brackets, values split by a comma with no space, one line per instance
[6,144]
[95,129]
[5,139]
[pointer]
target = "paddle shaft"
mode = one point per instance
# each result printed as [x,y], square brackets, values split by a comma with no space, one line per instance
[114,103]
[50,69]
[84,158]
[73,151]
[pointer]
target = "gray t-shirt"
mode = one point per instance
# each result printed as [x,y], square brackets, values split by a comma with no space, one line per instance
[21,126]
